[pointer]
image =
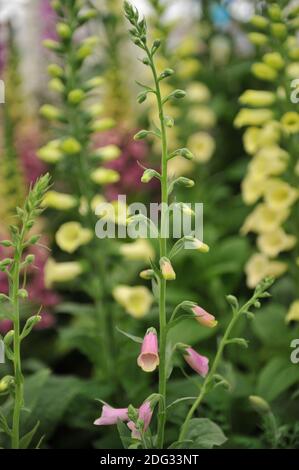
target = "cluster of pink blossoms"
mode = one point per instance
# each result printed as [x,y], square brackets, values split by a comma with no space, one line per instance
[148,360]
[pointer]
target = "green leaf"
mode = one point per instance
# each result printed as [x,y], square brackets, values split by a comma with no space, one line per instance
[180,444]
[271,328]
[4,425]
[124,434]
[188,331]
[204,434]
[136,339]
[26,440]
[276,377]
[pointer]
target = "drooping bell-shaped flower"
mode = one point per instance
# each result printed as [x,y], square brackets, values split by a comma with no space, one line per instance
[148,358]
[111,415]
[197,362]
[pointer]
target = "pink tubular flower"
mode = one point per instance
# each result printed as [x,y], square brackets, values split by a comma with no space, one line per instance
[197,362]
[203,317]
[145,414]
[111,416]
[148,358]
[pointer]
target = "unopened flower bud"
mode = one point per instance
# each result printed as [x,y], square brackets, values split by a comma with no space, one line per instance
[169,121]
[63,31]
[76,96]
[147,274]
[87,15]
[56,85]
[259,21]
[187,182]
[279,30]
[104,124]
[23,294]
[141,135]
[55,71]
[179,94]
[259,404]
[166,73]
[52,45]
[132,413]
[29,259]
[148,175]
[70,146]
[107,153]
[141,97]
[275,12]
[167,270]
[50,112]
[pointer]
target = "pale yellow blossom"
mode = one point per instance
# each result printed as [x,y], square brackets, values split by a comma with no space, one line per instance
[71,235]
[61,272]
[136,301]
[293,313]
[139,250]
[259,266]
[272,243]
[202,145]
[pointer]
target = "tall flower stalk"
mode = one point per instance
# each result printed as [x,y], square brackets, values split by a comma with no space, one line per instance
[13,266]
[77,163]
[152,354]
[139,35]
[270,115]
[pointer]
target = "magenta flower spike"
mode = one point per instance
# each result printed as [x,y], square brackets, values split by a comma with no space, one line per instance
[148,358]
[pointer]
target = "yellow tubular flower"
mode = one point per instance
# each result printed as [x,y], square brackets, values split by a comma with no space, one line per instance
[253,117]
[61,272]
[264,71]
[105,176]
[140,250]
[71,236]
[274,60]
[59,201]
[251,139]
[202,145]
[198,92]
[257,98]
[279,194]
[259,266]
[268,161]
[272,243]
[136,301]
[202,116]
[290,122]
[293,70]
[264,219]
[252,189]
[293,313]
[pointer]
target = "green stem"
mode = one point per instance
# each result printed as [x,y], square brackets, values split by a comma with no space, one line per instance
[236,315]
[163,252]
[18,377]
